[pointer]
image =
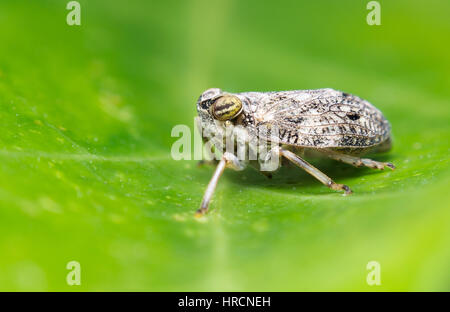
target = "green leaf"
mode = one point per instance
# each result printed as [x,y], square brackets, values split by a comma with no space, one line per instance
[85,169]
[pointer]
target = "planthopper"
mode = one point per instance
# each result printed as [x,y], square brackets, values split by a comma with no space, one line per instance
[267,129]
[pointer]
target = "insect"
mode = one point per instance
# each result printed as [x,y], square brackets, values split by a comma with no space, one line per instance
[333,123]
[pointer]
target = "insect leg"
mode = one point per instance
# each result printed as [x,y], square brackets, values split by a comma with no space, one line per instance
[316,173]
[228,160]
[358,162]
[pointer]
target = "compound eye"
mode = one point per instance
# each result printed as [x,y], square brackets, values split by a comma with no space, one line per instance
[226,107]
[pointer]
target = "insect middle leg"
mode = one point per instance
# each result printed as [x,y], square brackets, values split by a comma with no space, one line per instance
[316,173]
[358,162]
[228,160]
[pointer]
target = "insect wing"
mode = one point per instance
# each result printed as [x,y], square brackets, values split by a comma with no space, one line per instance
[319,118]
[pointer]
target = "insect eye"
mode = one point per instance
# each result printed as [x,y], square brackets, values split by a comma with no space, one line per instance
[226,107]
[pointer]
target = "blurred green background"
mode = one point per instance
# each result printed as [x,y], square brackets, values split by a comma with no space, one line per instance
[86,174]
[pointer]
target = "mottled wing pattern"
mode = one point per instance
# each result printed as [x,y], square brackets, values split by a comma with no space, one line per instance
[318,118]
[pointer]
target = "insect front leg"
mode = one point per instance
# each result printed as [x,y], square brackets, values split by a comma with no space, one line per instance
[228,160]
[358,162]
[316,173]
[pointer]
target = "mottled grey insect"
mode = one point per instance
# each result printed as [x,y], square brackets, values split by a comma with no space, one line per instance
[325,121]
